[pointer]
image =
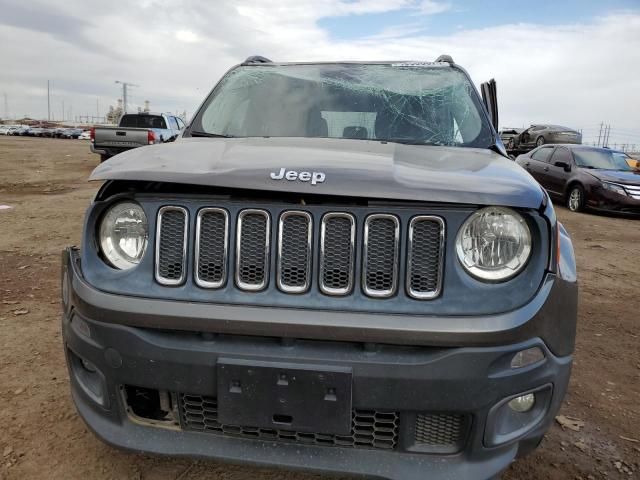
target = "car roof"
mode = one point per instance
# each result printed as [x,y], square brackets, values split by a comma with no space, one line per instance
[549,125]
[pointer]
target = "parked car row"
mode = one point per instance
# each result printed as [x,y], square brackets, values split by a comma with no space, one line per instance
[27,131]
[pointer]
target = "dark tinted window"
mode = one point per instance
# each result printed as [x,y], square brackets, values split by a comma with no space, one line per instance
[542,155]
[561,155]
[143,121]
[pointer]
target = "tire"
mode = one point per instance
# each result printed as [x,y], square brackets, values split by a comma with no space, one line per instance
[575,198]
[540,141]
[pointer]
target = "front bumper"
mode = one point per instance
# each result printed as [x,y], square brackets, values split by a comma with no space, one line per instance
[607,201]
[465,380]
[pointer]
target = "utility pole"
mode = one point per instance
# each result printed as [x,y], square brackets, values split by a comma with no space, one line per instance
[125,86]
[608,133]
[600,133]
[63,110]
[48,102]
[6,106]
[97,108]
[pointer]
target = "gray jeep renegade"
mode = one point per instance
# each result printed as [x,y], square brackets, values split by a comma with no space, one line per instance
[337,268]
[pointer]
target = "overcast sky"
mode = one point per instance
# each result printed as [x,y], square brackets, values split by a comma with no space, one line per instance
[574,63]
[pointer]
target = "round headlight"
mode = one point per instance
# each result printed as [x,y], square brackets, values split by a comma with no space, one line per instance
[494,244]
[123,235]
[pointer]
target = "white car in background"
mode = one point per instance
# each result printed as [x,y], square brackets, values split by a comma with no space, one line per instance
[4,129]
[85,135]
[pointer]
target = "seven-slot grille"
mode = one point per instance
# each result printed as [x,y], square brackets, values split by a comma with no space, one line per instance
[379,249]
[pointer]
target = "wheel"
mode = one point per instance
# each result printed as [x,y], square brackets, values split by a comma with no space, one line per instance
[575,199]
[540,141]
[511,144]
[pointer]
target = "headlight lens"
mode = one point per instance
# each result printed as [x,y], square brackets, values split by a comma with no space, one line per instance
[124,233]
[614,188]
[494,244]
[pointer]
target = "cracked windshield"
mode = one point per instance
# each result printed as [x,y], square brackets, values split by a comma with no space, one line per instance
[422,104]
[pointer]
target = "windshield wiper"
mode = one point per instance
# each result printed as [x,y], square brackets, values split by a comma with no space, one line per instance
[196,133]
[409,141]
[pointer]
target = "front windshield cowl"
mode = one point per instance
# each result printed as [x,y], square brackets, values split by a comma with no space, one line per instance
[416,104]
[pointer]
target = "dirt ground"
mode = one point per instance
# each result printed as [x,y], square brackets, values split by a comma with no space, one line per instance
[44,181]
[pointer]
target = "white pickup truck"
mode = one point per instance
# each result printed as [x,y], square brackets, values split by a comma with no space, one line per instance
[135,130]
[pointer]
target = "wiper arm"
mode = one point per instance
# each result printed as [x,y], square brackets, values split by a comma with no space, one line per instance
[196,133]
[409,141]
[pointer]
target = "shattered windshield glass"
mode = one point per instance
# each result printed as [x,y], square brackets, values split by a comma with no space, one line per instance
[423,104]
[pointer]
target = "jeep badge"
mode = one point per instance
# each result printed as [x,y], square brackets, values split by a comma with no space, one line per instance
[291,175]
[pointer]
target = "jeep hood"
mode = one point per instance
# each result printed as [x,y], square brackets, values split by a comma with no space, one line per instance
[356,168]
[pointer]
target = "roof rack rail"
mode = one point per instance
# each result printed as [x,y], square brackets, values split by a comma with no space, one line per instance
[256,59]
[444,59]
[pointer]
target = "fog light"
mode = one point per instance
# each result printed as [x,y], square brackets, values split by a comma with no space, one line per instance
[88,366]
[527,357]
[523,403]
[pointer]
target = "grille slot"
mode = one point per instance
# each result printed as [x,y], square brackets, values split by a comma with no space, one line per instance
[370,429]
[252,249]
[294,251]
[380,256]
[212,238]
[441,432]
[337,240]
[171,245]
[425,256]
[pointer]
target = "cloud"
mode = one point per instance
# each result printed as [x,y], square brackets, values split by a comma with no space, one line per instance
[577,74]
[187,36]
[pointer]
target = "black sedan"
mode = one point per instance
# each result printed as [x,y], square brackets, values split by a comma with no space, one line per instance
[585,177]
[537,135]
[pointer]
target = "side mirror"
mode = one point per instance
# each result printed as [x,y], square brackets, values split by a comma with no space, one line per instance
[565,165]
[490,100]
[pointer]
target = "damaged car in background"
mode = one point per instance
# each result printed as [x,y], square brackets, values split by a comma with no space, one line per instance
[537,135]
[335,268]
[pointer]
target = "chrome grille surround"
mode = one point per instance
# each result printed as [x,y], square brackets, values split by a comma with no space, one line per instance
[204,253]
[163,253]
[288,267]
[369,260]
[330,266]
[632,190]
[416,272]
[244,266]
